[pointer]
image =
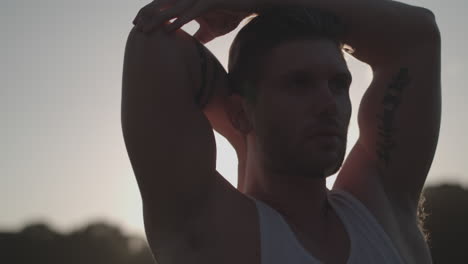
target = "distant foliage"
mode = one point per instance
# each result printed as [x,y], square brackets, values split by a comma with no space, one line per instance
[446,207]
[447,223]
[97,243]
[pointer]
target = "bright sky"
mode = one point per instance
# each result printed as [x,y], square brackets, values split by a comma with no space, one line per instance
[63,158]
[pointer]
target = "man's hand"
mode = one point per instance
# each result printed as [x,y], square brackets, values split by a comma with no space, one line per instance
[216,17]
[215,24]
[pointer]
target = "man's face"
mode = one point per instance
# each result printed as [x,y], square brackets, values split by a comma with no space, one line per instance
[304,89]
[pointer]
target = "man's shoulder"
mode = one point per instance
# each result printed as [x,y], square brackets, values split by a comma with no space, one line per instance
[401,229]
[226,225]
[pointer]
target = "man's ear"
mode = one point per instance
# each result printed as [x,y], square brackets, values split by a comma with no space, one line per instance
[237,112]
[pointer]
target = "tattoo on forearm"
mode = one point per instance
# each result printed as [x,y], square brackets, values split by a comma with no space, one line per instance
[390,102]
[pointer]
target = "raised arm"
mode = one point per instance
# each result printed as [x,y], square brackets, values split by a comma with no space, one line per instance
[400,113]
[168,137]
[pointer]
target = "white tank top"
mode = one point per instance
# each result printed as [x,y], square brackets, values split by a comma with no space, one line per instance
[369,242]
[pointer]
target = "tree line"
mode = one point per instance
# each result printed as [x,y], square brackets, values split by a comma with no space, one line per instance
[446,207]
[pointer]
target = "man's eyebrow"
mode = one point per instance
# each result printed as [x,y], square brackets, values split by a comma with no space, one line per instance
[302,72]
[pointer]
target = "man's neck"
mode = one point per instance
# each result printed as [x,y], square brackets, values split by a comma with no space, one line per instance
[301,201]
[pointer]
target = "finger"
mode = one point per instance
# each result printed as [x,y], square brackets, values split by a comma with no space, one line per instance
[139,17]
[202,22]
[161,4]
[146,13]
[143,15]
[200,35]
[182,20]
[172,12]
[203,35]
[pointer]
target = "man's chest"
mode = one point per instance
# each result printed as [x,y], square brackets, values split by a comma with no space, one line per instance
[233,234]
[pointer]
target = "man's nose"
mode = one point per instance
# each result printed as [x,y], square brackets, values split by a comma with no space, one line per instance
[326,100]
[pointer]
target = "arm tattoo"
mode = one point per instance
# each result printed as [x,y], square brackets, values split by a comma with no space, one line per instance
[203,92]
[391,101]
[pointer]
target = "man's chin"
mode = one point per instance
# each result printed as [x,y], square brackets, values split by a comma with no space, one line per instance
[330,171]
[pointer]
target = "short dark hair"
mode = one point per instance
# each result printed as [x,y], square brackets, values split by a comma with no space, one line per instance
[269,28]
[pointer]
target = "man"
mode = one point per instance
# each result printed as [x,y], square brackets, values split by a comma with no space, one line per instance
[287,117]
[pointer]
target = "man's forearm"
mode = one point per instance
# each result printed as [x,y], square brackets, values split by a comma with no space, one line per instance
[378,30]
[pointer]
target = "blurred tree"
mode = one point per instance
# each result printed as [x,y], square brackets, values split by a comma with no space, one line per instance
[96,243]
[446,207]
[447,223]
